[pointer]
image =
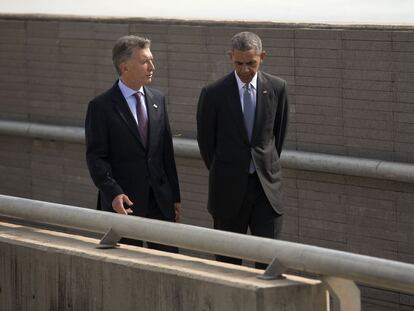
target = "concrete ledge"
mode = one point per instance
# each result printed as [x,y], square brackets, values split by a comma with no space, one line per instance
[46,270]
[208,22]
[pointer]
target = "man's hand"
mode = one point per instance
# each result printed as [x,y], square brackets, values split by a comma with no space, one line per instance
[178,211]
[118,204]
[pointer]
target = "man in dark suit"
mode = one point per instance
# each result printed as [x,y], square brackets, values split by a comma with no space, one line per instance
[241,123]
[129,148]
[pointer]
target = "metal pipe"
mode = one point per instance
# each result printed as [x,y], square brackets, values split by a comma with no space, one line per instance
[299,160]
[372,271]
[335,164]
[69,134]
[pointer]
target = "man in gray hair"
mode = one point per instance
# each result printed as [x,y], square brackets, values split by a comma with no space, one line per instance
[129,148]
[241,126]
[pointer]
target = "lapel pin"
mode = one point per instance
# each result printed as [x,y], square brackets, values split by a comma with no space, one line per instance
[155,106]
[264,92]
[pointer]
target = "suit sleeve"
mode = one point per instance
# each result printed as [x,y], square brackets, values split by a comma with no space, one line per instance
[97,152]
[206,128]
[281,121]
[169,159]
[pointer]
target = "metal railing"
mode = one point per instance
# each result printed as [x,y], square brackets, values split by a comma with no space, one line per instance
[335,267]
[300,160]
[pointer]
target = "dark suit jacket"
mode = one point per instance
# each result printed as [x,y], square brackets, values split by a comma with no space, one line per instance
[116,157]
[224,144]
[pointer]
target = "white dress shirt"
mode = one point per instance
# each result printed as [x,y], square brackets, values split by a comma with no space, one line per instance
[253,88]
[128,94]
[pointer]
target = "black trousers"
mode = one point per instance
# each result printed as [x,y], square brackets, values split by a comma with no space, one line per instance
[255,214]
[153,212]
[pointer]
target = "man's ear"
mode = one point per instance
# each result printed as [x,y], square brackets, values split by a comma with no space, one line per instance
[123,67]
[230,54]
[262,55]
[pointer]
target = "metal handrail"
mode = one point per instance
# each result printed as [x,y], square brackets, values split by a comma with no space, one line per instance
[376,272]
[300,160]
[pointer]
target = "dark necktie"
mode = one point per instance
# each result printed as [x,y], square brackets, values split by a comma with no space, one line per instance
[142,119]
[249,111]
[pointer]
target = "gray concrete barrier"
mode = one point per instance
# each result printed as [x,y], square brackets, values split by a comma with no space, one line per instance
[45,270]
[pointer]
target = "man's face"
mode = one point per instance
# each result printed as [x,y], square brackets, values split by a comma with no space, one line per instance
[138,71]
[246,63]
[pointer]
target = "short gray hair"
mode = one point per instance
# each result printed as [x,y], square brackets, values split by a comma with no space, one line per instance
[244,41]
[124,48]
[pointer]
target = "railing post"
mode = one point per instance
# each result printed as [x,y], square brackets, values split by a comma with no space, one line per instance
[345,294]
[273,271]
[110,240]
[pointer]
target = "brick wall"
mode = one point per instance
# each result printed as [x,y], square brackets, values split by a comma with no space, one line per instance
[351,93]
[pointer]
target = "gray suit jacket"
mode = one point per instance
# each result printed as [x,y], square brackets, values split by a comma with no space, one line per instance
[224,144]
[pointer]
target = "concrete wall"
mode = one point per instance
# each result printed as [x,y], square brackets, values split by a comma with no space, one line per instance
[41,270]
[351,93]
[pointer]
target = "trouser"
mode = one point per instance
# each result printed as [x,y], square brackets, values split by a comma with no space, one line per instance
[153,212]
[255,214]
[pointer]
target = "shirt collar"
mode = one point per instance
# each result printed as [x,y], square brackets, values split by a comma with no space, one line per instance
[127,91]
[241,84]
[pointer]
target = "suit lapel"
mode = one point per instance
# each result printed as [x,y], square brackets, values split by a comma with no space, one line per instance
[121,107]
[152,107]
[233,97]
[262,99]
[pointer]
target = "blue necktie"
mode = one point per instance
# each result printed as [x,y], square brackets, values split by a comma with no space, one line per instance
[249,113]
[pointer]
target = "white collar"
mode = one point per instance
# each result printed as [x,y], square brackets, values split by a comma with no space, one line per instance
[241,84]
[127,91]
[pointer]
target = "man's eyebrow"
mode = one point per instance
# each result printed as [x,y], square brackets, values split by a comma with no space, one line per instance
[249,62]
